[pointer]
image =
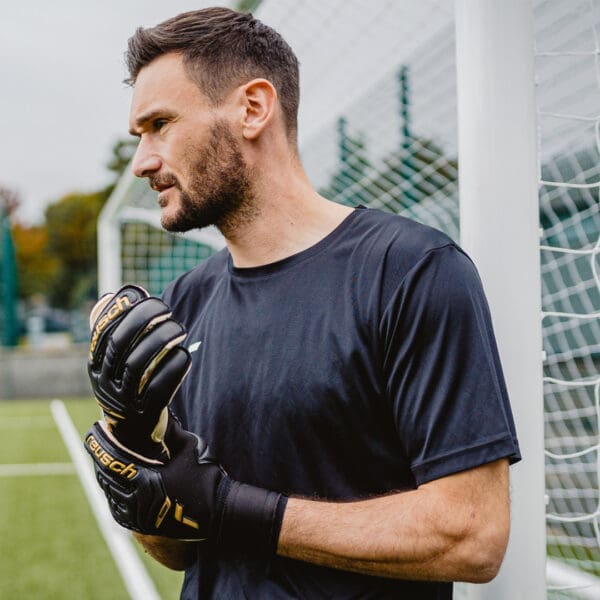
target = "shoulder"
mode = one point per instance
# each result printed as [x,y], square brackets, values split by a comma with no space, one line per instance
[388,235]
[396,246]
[197,281]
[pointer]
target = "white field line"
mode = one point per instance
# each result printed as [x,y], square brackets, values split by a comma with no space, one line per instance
[29,469]
[136,579]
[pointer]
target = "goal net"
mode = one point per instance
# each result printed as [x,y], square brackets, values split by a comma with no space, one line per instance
[568,75]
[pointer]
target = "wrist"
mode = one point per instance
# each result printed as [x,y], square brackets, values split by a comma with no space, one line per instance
[249,518]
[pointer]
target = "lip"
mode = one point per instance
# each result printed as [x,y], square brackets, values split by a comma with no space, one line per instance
[162,200]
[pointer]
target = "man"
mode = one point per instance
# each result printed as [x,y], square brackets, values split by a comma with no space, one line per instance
[343,366]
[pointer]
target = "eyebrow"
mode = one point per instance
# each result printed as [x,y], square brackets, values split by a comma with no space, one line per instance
[146,117]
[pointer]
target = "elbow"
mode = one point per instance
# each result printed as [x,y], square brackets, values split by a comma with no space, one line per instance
[483,571]
[483,553]
[471,548]
[471,555]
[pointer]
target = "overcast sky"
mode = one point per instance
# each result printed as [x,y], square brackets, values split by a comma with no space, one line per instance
[62,101]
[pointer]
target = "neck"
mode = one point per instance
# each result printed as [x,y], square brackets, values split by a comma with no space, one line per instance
[287,216]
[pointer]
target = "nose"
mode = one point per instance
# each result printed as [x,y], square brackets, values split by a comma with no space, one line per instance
[145,160]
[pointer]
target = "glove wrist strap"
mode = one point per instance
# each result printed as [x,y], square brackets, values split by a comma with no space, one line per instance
[250,518]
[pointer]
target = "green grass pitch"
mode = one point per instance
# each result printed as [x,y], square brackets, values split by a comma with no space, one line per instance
[51,547]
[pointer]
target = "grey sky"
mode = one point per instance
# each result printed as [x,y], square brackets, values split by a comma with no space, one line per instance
[62,103]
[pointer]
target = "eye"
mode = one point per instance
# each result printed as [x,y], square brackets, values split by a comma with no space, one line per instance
[158,124]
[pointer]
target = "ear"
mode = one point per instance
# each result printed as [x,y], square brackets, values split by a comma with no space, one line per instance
[260,104]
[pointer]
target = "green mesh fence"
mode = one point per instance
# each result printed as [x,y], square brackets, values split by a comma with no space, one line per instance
[153,258]
[9,327]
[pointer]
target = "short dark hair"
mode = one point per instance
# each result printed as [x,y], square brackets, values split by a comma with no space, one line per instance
[221,49]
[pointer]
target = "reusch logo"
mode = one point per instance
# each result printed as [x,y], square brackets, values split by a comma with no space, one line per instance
[120,305]
[104,458]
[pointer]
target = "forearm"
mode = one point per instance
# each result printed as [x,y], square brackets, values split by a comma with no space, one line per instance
[425,534]
[367,537]
[174,554]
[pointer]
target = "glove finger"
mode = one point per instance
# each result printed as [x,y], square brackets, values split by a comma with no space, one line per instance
[147,355]
[166,378]
[107,312]
[134,325]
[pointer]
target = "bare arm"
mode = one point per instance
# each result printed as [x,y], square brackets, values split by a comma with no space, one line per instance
[174,554]
[451,529]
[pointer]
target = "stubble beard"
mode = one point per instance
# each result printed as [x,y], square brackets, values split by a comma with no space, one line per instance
[219,191]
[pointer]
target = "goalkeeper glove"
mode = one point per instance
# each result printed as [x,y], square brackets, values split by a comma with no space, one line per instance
[190,497]
[135,366]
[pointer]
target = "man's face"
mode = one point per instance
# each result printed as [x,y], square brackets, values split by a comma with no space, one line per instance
[187,149]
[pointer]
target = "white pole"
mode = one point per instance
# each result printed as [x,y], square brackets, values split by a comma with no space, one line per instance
[499,229]
[109,255]
[109,236]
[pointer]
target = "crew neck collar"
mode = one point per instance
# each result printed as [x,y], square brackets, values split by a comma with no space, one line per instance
[294,259]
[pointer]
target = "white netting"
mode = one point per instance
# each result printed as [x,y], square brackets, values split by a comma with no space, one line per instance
[567,53]
[378,116]
[394,147]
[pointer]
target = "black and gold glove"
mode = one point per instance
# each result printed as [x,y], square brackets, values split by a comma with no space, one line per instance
[135,366]
[189,497]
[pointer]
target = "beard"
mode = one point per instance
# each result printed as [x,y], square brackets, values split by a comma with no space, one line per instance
[219,190]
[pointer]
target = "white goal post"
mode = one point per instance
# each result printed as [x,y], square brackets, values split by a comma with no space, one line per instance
[500,230]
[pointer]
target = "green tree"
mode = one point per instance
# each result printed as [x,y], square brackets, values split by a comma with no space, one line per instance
[71,226]
[58,258]
[122,153]
[37,268]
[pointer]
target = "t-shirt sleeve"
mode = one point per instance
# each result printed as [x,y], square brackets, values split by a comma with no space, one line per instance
[442,369]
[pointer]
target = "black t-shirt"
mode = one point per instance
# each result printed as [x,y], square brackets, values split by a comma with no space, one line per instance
[362,365]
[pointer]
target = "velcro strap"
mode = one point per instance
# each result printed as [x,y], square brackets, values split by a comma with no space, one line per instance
[251,519]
